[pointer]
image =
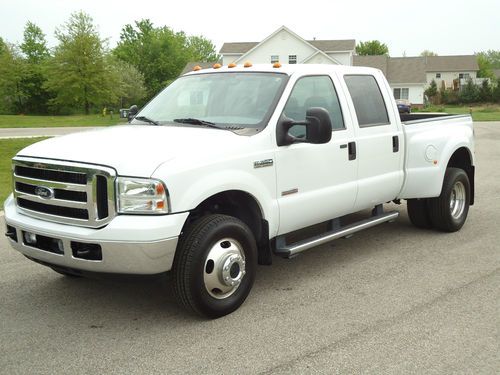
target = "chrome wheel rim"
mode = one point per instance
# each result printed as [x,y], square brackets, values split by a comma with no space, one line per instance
[457,200]
[224,268]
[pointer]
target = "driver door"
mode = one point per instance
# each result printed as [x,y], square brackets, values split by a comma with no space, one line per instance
[315,182]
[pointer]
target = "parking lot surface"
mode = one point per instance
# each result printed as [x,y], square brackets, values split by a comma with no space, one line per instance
[392,299]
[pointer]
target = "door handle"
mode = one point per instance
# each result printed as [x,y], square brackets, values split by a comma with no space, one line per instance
[395,143]
[352,150]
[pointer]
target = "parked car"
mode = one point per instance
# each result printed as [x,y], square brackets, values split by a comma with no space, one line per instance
[404,105]
[212,176]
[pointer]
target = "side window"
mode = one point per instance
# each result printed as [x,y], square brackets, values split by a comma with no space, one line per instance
[313,91]
[368,101]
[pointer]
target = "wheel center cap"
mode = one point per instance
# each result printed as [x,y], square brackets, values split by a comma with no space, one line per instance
[233,270]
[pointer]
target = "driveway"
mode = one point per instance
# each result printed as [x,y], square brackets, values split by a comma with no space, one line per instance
[392,299]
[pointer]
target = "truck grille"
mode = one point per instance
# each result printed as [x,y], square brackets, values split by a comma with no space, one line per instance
[64,192]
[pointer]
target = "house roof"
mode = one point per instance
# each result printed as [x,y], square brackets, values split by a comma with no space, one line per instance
[323,45]
[413,69]
[451,63]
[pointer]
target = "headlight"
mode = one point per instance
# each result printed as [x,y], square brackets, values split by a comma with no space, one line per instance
[141,196]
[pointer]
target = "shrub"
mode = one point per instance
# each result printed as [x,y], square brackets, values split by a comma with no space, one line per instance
[469,93]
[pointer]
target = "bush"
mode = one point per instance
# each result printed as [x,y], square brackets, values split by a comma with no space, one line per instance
[485,91]
[449,96]
[470,93]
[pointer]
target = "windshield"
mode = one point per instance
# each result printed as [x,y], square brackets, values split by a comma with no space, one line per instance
[237,100]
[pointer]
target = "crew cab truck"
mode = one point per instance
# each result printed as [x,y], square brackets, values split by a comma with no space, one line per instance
[212,175]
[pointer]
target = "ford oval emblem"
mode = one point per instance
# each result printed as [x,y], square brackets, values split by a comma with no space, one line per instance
[44,192]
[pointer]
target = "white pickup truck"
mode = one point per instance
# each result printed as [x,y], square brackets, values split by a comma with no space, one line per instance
[215,173]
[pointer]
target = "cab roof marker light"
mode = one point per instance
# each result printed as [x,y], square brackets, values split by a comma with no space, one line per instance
[217,66]
[277,65]
[248,64]
[232,65]
[196,68]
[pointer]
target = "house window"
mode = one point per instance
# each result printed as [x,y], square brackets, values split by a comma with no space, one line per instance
[275,59]
[401,93]
[464,76]
[292,59]
[438,75]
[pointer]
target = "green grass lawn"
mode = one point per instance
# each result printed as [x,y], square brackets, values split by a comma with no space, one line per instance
[489,112]
[22,121]
[8,148]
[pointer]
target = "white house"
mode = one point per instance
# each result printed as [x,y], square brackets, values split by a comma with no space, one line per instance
[407,76]
[289,48]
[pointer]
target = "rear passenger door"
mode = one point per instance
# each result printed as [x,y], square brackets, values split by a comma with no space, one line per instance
[378,139]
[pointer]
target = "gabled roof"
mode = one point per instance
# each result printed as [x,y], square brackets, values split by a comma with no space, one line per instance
[239,47]
[413,69]
[451,63]
[334,45]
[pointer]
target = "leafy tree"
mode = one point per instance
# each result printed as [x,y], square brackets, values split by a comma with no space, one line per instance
[426,52]
[492,56]
[78,74]
[485,92]
[469,93]
[12,71]
[201,49]
[130,83]
[496,92]
[34,45]
[372,47]
[34,48]
[431,91]
[159,53]
[485,70]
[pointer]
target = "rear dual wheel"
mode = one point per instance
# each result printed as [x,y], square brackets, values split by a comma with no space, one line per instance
[447,212]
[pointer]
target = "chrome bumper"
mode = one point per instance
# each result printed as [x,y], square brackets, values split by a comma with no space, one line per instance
[129,244]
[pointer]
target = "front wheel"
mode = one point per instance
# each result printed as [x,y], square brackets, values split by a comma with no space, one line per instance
[448,212]
[214,266]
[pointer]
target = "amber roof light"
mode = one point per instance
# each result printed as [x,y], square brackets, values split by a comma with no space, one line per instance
[217,66]
[277,65]
[248,64]
[196,68]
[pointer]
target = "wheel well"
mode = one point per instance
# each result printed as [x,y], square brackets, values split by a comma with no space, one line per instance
[461,158]
[243,206]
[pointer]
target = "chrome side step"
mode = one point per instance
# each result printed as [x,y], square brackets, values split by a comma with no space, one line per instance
[288,251]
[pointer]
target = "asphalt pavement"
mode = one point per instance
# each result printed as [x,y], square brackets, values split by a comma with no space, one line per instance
[390,300]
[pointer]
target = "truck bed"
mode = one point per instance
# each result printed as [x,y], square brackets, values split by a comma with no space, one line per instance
[413,118]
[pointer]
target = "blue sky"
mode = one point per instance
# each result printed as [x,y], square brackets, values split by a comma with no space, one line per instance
[407,27]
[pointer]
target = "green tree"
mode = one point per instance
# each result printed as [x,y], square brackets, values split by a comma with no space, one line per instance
[12,71]
[201,49]
[431,91]
[34,48]
[426,52]
[496,92]
[78,75]
[469,93]
[159,53]
[372,47]
[485,92]
[130,83]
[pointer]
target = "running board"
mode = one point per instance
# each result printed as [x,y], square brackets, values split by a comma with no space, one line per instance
[288,251]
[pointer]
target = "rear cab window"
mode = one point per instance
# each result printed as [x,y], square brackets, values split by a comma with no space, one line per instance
[368,101]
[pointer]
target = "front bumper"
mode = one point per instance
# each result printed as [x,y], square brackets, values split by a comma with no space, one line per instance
[130,244]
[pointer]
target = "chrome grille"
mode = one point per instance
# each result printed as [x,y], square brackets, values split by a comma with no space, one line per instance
[64,192]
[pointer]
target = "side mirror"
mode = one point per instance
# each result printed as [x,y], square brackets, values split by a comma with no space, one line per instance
[318,128]
[132,112]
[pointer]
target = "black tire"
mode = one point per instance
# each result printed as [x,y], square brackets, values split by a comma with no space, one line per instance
[418,212]
[191,265]
[441,210]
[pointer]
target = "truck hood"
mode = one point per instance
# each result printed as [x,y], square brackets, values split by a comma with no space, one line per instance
[135,150]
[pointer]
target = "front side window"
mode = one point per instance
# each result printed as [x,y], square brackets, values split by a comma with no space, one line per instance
[313,91]
[367,99]
[228,99]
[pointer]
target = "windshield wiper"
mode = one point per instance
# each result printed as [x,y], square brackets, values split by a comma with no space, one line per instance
[197,121]
[146,119]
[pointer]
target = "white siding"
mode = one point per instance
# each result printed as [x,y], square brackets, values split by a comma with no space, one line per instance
[415,92]
[447,77]
[228,59]
[282,44]
[343,58]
